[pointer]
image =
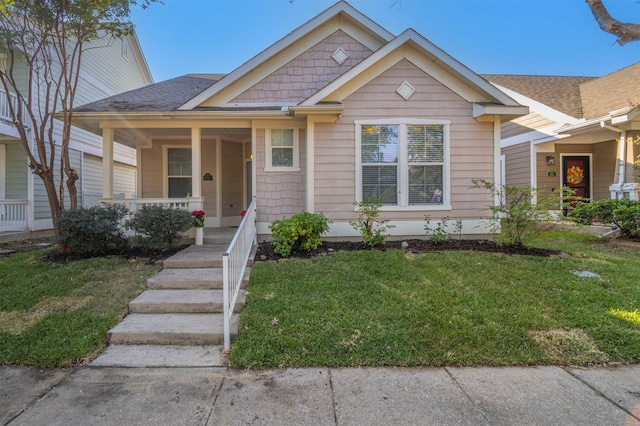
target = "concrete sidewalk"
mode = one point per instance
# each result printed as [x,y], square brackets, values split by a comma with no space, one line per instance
[321,396]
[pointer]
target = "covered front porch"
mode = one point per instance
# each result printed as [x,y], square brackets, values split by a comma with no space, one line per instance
[192,168]
[595,159]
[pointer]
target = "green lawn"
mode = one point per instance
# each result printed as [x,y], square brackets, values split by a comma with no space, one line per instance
[373,308]
[54,315]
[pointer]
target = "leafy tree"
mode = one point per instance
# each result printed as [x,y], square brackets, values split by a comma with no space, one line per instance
[43,42]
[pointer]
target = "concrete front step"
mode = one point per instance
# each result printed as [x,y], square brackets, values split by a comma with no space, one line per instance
[182,301]
[162,356]
[205,256]
[191,279]
[172,329]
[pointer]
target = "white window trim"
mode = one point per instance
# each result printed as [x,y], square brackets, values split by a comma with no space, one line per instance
[402,165]
[296,148]
[165,167]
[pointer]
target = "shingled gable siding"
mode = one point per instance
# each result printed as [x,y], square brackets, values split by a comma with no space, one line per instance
[279,194]
[471,144]
[517,164]
[309,72]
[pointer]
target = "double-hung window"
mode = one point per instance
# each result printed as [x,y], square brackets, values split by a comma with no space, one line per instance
[178,172]
[282,149]
[404,162]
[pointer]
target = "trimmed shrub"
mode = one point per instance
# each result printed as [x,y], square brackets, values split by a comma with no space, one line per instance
[624,214]
[160,228]
[93,231]
[300,232]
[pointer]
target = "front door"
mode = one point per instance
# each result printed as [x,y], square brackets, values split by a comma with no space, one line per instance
[576,175]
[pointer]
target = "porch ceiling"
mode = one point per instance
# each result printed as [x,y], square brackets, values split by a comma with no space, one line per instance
[142,137]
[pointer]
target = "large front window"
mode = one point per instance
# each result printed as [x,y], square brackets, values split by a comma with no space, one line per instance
[404,163]
[179,172]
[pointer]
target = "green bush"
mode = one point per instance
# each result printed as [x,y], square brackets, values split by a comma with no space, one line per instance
[371,227]
[93,231]
[160,228]
[624,214]
[301,232]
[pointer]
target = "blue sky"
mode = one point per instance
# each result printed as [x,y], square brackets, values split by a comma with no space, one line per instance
[538,37]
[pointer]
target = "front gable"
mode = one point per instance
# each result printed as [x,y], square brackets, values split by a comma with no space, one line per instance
[309,72]
[340,23]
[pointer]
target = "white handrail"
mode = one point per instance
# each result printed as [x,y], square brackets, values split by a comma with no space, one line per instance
[234,263]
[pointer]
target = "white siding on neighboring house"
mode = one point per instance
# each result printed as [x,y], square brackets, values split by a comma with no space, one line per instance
[41,201]
[16,173]
[124,180]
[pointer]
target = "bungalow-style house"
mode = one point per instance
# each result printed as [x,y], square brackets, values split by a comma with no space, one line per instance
[580,133]
[113,67]
[336,110]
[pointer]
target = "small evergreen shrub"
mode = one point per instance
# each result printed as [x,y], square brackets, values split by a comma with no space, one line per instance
[93,231]
[371,227]
[624,214]
[160,228]
[300,232]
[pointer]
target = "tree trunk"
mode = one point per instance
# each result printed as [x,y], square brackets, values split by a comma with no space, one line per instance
[624,31]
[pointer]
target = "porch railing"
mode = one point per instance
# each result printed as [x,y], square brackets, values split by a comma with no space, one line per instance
[13,215]
[234,263]
[133,204]
[5,112]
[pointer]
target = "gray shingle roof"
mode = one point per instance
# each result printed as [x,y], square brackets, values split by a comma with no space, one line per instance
[557,92]
[166,95]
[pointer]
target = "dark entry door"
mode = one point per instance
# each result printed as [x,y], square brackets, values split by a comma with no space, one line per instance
[576,175]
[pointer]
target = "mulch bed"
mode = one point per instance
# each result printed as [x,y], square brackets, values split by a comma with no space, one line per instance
[265,249]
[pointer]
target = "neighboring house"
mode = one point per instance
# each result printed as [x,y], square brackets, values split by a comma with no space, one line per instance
[579,133]
[115,66]
[338,109]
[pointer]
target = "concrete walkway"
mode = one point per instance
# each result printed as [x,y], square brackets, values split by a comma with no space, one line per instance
[321,396]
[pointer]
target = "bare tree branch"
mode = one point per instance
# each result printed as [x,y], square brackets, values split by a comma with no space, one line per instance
[624,31]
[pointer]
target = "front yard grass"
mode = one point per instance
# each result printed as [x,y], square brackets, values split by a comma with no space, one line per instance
[58,315]
[375,308]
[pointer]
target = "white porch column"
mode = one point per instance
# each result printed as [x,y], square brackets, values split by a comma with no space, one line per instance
[196,163]
[107,163]
[311,164]
[621,169]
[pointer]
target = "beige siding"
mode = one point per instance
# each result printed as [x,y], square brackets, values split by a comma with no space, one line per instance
[471,144]
[308,73]
[209,187]
[152,170]
[525,124]
[603,168]
[517,164]
[232,172]
[280,194]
